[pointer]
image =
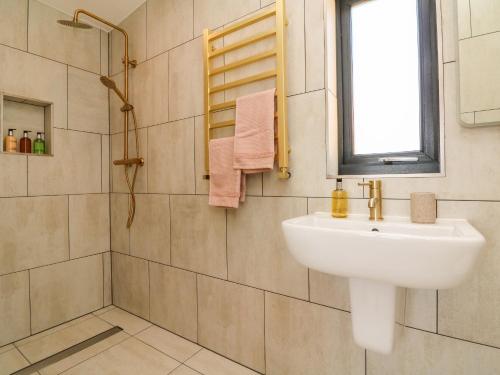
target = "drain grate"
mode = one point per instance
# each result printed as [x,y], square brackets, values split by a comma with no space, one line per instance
[67,352]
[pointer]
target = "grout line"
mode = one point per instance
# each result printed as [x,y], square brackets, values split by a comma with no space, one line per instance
[69,233]
[29,301]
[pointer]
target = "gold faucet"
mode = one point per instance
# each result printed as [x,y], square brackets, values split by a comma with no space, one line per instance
[375,200]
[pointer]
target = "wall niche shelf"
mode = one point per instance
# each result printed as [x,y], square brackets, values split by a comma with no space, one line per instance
[21,113]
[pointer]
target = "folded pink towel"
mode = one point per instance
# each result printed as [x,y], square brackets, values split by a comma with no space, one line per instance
[254,132]
[227,186]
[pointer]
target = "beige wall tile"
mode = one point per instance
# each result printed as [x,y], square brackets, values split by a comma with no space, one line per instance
[13,170]
[257,253]
[209,363]
[105,162]
[67,172]
[168,343]
[171,158]
[106,272]
[470,311]
[11,361]
[128,358]
[205,17]
[130,281]
[104,53]
[116,116]
[170,23]
[76,47]
[315,45]
[416,352]
[120,240]
[14,307]
[13,23]
[149,91]
[173,300]
[34,77]
[329,290]
[135,26]
[119,182]
[186,80]
[198,235]
[33,232]
[88,224]
[88,107]
[485,16]
[421,309]
[296,55]
[150,232]
[449,29]
[231,321]
[301,338]
[65,291]
[464,18]
[308,149]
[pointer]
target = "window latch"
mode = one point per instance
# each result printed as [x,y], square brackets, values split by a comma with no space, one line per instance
[398,159]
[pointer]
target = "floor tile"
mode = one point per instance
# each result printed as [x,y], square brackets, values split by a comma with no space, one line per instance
[210,363]
[51,331]
[168,343]
[183,370]
[84,355]
[45,346]
[103,310]
[131,357]
[130,323]
[11,361]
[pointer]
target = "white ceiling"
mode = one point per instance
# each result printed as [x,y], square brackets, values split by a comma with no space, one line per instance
[112,10]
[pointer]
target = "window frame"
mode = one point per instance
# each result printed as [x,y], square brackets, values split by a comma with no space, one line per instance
[429,154]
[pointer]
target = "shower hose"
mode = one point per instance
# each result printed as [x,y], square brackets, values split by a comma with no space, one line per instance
[131,184]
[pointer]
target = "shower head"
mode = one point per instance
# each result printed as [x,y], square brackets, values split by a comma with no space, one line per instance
[75,24]
[110,84]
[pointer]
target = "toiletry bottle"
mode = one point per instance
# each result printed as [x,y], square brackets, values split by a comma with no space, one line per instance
[25,143]
[39,144]
[339,200]
[10,142]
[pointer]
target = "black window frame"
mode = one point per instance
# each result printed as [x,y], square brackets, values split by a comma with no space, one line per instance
[429,154]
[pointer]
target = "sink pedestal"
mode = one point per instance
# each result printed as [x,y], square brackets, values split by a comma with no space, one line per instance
[373,313]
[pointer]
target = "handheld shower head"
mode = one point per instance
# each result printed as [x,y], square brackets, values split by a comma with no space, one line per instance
[110,84]
[75,24]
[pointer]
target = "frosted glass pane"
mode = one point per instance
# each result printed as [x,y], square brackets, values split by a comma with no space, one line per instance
[385,73]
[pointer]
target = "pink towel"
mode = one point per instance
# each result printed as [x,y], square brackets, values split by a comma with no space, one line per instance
[254,133]
[227,187]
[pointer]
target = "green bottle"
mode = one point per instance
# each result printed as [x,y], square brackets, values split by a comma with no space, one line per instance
[39,144]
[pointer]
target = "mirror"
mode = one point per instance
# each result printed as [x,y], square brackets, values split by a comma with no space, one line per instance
[479,62]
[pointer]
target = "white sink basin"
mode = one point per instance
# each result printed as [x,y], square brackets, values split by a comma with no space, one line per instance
[379,256]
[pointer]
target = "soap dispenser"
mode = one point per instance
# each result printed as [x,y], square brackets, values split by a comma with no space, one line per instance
[39,144]
[25,143]
[10,142]
[339,201]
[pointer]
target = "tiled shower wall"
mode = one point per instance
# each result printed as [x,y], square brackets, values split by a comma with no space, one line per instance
[223,278]
[54,211]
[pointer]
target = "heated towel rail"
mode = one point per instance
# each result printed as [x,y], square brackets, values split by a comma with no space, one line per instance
[211,53]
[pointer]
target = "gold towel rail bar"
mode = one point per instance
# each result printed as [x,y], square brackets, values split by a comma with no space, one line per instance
[242,43]
[278,52]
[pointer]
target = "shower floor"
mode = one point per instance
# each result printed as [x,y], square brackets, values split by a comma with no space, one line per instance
[141,348]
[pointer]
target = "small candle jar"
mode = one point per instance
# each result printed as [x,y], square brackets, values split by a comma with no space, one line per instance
[423,208]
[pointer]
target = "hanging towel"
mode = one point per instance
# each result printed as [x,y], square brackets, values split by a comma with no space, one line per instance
[254,147]
[226,184]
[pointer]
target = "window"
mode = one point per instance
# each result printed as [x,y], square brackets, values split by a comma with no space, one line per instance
[388,105]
